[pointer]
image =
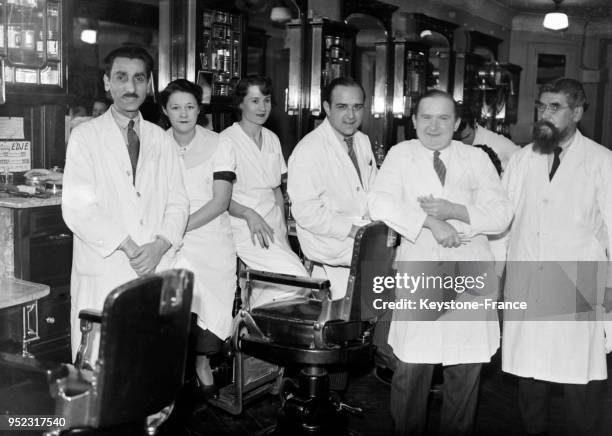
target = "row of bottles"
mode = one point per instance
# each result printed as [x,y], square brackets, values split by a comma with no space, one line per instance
[220,50]
[337,59]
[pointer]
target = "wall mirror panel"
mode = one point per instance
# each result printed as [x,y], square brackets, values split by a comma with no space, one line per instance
[371,72]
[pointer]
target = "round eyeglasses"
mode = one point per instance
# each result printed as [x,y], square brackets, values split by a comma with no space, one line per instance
[553,108]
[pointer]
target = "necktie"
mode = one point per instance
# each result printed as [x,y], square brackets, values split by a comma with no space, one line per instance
[352,155]
[133,148]
[556,162]
[439,167]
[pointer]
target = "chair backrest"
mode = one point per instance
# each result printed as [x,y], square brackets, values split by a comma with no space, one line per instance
[373,255]
[143,345]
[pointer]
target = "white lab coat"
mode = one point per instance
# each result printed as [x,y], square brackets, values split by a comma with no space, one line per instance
[566,219]
[258,173]
[102,206]
[406,174]
[327,198]
[502,146]
[209,249]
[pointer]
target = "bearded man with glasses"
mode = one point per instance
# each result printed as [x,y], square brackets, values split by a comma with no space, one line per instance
[561,236]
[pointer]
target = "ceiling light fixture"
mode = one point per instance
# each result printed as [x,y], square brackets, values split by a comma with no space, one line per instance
[556,20]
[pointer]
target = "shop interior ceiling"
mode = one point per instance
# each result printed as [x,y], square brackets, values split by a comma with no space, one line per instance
[586,9]
[589,10]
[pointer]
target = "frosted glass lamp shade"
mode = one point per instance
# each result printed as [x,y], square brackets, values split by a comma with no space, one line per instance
[280,14]
[555,21]
[89,36]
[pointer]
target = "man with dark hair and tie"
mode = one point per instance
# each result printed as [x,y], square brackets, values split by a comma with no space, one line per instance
[330,172]
[123,194]
[561,189]
[443,197]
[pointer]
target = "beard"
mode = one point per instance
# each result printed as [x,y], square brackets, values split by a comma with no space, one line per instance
[546,137]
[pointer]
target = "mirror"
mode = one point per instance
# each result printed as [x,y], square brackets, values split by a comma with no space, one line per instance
[371,32]
[438,70]
[98,27]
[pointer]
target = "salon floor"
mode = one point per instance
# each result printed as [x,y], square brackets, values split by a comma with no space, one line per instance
[498,413]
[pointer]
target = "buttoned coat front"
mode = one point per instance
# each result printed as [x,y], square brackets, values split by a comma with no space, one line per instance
[327,197]
[471,180]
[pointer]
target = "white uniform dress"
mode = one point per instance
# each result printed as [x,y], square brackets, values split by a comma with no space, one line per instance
[327,198]
[567,219]
[102,206]
[406,174]
[502,146]
[258,173]
[209,249]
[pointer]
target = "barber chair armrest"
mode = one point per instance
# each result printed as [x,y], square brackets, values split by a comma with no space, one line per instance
[320,287]
[285,279]
[91,315]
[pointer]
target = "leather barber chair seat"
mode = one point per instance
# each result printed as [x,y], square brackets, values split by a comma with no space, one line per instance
[313,333]
[144,329]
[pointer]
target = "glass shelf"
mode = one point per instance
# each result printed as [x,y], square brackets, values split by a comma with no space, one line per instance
[30,41]
[26,42]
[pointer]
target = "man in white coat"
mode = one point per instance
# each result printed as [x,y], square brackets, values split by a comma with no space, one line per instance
[443,198]
[123,195]
[330,172]
[561,189]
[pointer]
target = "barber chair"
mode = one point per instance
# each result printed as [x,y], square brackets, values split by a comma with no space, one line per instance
[312,333]
[144,329]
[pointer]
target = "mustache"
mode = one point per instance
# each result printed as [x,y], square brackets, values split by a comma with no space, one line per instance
[541,123]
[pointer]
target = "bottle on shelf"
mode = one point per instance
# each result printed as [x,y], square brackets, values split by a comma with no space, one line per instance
[379,152]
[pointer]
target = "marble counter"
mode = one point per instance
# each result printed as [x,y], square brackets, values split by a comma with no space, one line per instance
[7,243]
[15,291]
[25,202]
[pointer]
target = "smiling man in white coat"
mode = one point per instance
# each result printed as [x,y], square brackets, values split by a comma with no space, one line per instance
[330,172]
[123,196]
[561,188]
[443,197]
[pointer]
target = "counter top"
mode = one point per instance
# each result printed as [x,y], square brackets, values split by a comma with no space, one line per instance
[16,291]
[25,202]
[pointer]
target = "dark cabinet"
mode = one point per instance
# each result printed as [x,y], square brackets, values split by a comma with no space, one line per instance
[43,254]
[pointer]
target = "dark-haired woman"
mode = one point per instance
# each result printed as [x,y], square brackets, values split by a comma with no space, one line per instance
[208,174]
[257,206]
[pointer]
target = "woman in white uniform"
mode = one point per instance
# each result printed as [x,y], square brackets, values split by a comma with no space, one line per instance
[257,206]
[208,173]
